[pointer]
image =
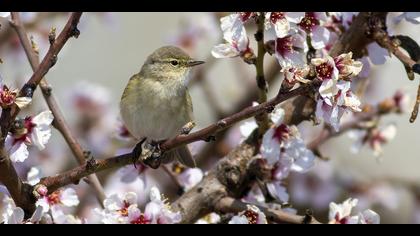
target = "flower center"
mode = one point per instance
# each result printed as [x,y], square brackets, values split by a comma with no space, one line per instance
[284,45]
[7,97]
[308,22]
[275,16]
[281,133]
[324,71]
[141,220]
[252,216]
[124,211]
[54,198]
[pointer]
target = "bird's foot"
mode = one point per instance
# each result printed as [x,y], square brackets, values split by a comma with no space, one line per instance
[153,155]
[186,129]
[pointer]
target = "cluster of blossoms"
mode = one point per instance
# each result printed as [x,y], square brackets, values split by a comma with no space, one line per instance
[341,214]
[292,29]
[50,209]
[123,209]
[283,151]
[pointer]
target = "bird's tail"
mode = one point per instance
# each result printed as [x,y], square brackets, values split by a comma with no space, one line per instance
[182,154]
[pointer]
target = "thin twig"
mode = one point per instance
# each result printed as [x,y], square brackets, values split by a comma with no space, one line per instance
[231,205]
[59,120]
[262,119]
[19,191]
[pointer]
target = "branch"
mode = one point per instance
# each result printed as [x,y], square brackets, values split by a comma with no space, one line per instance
[59,120]
[231,205]
[70,30]
[261,119]
[94,166]
[19,191]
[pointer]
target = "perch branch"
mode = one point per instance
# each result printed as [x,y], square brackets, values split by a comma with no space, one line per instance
[74,175]
[59,120]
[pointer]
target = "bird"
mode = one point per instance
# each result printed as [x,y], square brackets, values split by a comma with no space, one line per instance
[156,105]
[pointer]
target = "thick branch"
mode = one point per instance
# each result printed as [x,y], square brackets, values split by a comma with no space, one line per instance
[59,121]
[231,205]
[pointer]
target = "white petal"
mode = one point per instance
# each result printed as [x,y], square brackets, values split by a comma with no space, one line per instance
[270,147]
[69,197]
[155,195]
[247,127]
[33,176]
[294,17]
[224,51]
[43,118]
[277,116]
[152,211]
[282,28]
[40,136]
[22,102]
[43,202]
[278,191]
[241,220]
[328,88]
[37,215]
[131,198]
[17,216]
[389,132]
[133,212]
[369,217]
[320,37]
[18,152]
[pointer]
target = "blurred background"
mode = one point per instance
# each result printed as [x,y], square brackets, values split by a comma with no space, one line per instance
[92,71]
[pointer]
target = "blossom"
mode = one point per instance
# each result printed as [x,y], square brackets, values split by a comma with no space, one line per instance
[280,21]
[296,74]
[10,214]
[341,214]
[347,66]
[235,35]
[9,97]
[375,138]
[312,25]
[328,73]
[124,210]
[58,200]
[252,215]
[278,191]
[29,131]
[290,49]
[332,109]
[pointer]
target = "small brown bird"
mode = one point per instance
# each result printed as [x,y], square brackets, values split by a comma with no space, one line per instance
[156,104]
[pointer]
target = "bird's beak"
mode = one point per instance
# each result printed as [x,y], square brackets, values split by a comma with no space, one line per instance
[194,63]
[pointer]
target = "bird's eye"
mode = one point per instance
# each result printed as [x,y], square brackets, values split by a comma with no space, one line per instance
[174,62]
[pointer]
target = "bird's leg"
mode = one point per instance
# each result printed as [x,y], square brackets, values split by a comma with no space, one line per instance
[153,160]
[186,129]
[137,151]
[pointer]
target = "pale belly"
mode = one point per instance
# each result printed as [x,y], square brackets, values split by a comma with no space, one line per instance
[155,116]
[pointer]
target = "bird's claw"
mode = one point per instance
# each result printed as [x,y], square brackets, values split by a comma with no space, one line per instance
[153,157]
